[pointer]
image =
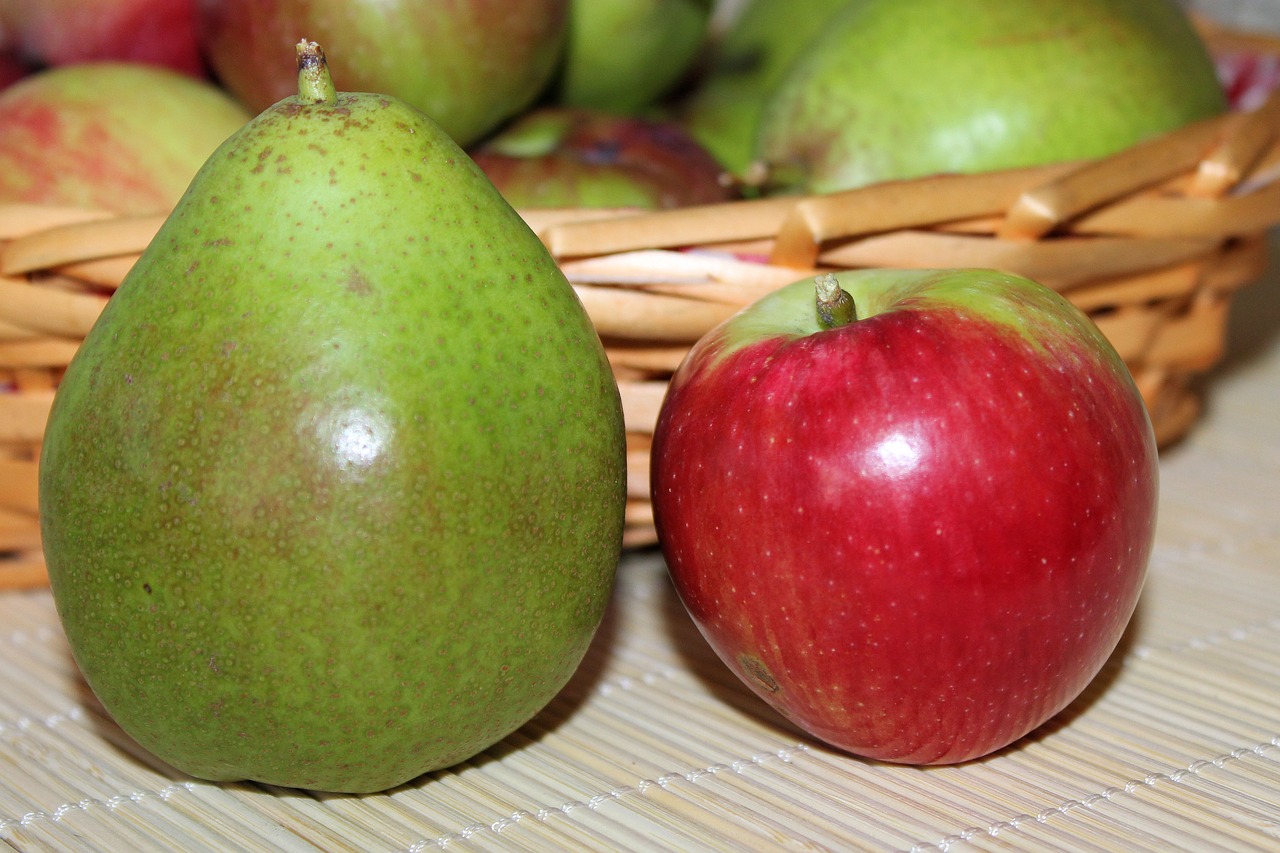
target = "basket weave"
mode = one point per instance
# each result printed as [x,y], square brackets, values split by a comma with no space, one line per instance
[1151,243]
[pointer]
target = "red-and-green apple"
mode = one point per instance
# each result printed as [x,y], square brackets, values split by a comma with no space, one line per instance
[468,64]
[918,533]
[63,32]
[564,157]
[124,137]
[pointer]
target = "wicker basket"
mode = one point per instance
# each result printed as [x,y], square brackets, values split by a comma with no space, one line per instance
[1151,243]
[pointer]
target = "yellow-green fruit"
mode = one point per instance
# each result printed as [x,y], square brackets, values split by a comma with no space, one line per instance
[905,88]
[120,136]
[723,109]
[623,55]
[332,494]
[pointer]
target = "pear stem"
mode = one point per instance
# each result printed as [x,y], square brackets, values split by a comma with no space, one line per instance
[835,305]
[315,86]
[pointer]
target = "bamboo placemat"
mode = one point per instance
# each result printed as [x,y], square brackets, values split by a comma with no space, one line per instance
[654,746]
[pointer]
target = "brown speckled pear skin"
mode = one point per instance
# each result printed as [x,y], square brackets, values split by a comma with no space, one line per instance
[332,495]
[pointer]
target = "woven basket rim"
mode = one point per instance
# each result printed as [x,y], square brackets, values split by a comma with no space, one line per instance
[1151,242]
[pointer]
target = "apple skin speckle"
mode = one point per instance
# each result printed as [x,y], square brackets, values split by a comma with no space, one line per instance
[919,535]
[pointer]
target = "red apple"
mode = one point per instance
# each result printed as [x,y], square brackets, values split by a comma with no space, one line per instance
[63,32]
[468,64]
[123,137]
[920,533]
[12,69]
[562,157]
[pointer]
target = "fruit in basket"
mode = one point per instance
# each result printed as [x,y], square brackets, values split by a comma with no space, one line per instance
[362,501]
[63,32]
[623,55]
[917,528]
[468,64]
[723,108]
[905,88]
[565,157]
[124,137]
[12,69]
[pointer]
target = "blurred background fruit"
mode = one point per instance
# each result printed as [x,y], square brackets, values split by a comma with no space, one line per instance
[743,65]
[904,88]
[468,64]
[62,32]
[623,55]
[123,137]
[564,157]
[12,69]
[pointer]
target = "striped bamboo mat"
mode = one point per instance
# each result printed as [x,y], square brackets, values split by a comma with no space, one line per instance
[654,746]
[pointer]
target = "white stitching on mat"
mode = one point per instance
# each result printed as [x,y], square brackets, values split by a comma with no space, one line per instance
[664,781]
[1148,781]
[1217,638]
[42,634]
[50,722]
[85,805]
[627,682]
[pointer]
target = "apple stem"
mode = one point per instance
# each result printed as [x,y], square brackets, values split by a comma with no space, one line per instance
[835,305]
[315,86]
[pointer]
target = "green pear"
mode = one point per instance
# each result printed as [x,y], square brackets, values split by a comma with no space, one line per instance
[906,88]
[332,494]
[622,55]
[723,109]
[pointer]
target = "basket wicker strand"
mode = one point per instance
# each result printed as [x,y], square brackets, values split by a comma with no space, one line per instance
[1151,243]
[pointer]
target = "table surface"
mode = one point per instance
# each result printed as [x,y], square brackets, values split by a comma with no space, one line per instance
[653,745]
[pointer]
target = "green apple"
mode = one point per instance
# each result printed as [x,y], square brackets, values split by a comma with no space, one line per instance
[468,64]
[622,55]
[723,109]
[905,88]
